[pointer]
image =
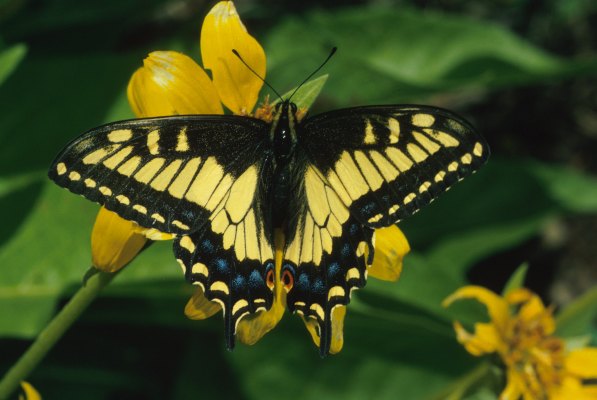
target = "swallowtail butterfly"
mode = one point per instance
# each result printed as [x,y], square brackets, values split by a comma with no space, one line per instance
[222,184]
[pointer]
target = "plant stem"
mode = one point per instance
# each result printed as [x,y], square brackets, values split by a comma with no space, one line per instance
[53,332]
[467,381]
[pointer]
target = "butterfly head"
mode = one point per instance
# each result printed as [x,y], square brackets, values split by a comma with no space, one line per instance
[283,131]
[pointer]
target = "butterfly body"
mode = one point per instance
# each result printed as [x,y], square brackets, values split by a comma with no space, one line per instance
[224,184]
[283,137]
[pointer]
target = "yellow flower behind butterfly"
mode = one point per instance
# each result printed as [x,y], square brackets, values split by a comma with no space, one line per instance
[171,83]
[538,364]
[29,392]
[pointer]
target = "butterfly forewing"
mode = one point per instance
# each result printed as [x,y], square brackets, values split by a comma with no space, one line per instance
[195,176]
[165,173]
[386,162]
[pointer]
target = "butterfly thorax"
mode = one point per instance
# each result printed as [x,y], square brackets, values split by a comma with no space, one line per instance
[283,133]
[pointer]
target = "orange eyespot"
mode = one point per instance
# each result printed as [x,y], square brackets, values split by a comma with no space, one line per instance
[269,279]
[287,280]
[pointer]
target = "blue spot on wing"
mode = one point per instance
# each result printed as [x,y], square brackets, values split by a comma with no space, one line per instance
[238,282]
[255,280]
[207,246]
[345,250]
[222,265]
[354,229]
[303,282]
[333,269]
[318,286]
[369,208]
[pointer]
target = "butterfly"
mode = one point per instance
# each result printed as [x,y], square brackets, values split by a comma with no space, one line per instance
[223,184]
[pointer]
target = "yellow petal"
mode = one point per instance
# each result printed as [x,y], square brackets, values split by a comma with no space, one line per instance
[338,314]
[582,362]
[571,389]
[496,306]
[390,248]
[532,310]
[199,307]
[114,241]
[485,340]
[171,83]
[589,392]
[29,391]
[223,31]
[254,326]
[514,387]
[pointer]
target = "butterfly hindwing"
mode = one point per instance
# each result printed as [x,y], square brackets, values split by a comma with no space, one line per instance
[165,173]
[386,162]
[231,256]
[326,255]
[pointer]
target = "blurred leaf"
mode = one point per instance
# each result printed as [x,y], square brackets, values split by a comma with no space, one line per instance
[571,189]
[390,55]
[503,204]
[579,317]
[573,9]
[11,184]
[379,360]
[52,17]
[482,394]
[10,59]
[30,144]
[48,256]
[516,281]
[111,359]
[307,93]
[500,205]
[422,284]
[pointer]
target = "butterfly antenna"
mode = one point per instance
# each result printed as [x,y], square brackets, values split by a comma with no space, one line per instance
[256,74]
[314,72]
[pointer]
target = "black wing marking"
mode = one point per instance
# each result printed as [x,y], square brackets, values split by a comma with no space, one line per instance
[166,173]
[386,162]
[326,255]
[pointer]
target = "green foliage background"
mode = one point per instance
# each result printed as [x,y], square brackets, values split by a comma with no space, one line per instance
[522,71]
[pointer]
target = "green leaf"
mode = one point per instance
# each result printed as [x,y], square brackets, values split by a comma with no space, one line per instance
[516,281]
[10,59]
[12,184]
[380,358]
[307,94]
[579,317]
[478,217]
[405,54]
[49,254]
[571,189]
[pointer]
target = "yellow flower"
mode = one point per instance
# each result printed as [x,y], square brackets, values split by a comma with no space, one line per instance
[30,393]
[538,365]
[171,83]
